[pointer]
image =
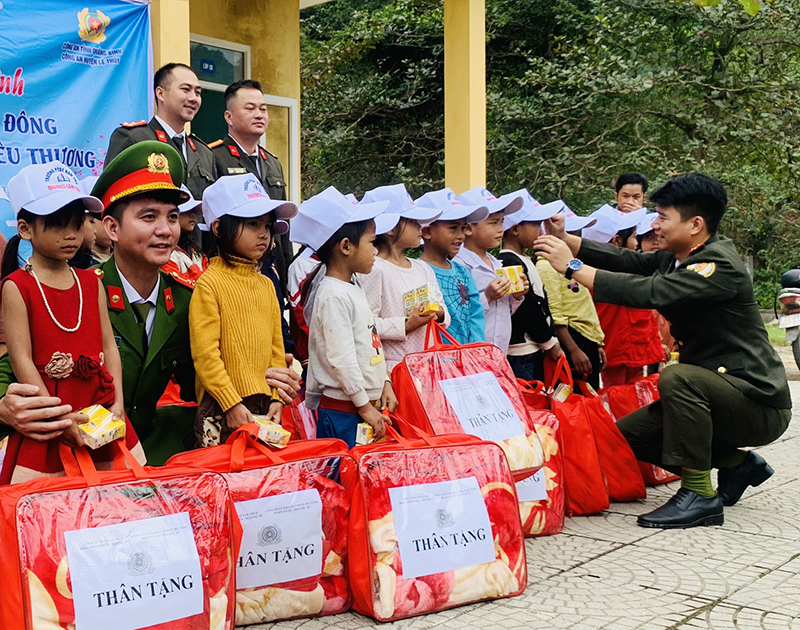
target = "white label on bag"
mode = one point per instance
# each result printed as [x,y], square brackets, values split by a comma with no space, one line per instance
[441,526]
[282,539]
[533,488]
[136,574]
[482,407]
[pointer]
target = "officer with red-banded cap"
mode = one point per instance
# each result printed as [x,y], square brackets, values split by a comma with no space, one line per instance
[178,99]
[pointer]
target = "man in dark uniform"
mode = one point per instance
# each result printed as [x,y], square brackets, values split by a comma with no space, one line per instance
[239,152]
[178,100]
[729,389]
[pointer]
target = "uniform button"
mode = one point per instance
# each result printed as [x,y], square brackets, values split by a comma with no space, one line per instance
[135,408]
[174,363]
[722,369]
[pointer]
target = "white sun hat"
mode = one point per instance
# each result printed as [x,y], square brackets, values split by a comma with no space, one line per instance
[43,189]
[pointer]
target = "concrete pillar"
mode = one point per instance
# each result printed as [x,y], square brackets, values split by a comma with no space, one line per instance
[170,24]
[464,94]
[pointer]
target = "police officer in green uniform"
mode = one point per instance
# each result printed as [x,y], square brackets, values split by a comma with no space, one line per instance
[178,100]
[729,388]
[239,152]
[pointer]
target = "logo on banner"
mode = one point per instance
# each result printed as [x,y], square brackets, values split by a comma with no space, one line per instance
[92,26]
[269,535]
[140,563]
[444,518]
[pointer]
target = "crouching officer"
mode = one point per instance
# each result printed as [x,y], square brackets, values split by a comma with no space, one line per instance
[729,389]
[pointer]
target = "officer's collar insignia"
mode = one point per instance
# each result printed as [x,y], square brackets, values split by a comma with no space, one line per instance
[191,144]
[704,269]
[157,163]
[168,301]
[263,152]
[161,135]
[234,151]
[115,299]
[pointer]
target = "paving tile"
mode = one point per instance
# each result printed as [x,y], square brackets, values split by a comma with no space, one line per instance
[727,617]
[607,526]
[776,592]
[550,555]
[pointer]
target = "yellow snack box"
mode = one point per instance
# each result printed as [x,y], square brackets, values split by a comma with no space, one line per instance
[364,433]
[562,392]
[515,275]
[422,296]
[102,427]
[271,432]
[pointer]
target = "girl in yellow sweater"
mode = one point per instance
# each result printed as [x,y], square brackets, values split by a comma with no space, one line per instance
[234,315]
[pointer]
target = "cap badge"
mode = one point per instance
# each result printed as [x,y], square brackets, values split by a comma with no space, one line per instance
[157,163]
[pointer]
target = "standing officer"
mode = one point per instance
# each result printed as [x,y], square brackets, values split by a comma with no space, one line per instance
[239,152]
[178,99]
[729,389]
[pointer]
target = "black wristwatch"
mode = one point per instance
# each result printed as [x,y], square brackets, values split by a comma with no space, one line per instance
[572,266]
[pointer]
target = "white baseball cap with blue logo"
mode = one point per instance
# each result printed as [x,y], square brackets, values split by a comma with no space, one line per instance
[400,202]
[480,196]
[323,214]
[452,208]
[244,196]
[43,189]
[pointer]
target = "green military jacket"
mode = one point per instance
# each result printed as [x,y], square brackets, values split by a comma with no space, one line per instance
[708,300]
[145,376]
[231,160]
[162,432]
[200,171]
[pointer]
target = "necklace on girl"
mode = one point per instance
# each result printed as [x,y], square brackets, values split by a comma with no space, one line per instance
[29,269]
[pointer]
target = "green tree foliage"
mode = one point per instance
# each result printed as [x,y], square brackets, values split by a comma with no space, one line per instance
[578,91]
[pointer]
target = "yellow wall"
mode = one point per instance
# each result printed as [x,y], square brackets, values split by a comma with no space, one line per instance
[170,23]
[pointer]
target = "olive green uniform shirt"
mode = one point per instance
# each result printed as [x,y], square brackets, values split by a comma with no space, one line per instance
[708,300]
[200,169]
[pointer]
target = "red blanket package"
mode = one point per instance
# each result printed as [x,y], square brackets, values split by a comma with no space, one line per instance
[625,399]
[120,550]
[542,513]
[449,388]
[294,506]
[435,524]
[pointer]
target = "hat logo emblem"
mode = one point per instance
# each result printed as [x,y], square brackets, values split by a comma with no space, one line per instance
[157,163]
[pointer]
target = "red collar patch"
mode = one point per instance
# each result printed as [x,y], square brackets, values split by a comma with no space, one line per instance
[262,152]
[191,144]
[116,299]
[161,135]
[168,301]
[234,151]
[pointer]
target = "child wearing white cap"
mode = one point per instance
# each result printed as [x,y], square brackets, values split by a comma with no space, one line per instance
[481,236]
[187,260]
[60,335]
[442,241]
[347,378]
[234,315]
[532,329]
[394,276]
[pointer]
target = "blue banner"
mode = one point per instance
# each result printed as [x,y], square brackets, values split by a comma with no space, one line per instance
[70,73]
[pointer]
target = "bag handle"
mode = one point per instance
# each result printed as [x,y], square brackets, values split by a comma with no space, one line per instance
[244,437]
[562,373]
[531,387]
[405,426]
[583,386]
[78,462]
[433,337]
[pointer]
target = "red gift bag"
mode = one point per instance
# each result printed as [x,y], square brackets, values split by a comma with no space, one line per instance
[543,514]
[434,524]
[299,420]
[623,477]
[625,399]
[294,505]
[450,388]
[85,550]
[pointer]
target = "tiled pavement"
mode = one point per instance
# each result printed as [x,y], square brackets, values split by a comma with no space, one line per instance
[605,572]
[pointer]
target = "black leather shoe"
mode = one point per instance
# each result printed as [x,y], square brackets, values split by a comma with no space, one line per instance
[685,509]
[732,482]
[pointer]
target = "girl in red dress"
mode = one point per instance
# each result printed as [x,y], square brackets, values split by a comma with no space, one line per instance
[59,334]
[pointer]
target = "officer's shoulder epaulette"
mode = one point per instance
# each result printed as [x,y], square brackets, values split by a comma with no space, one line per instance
[215,144]
[198,139]
[268,153]
[138,123]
